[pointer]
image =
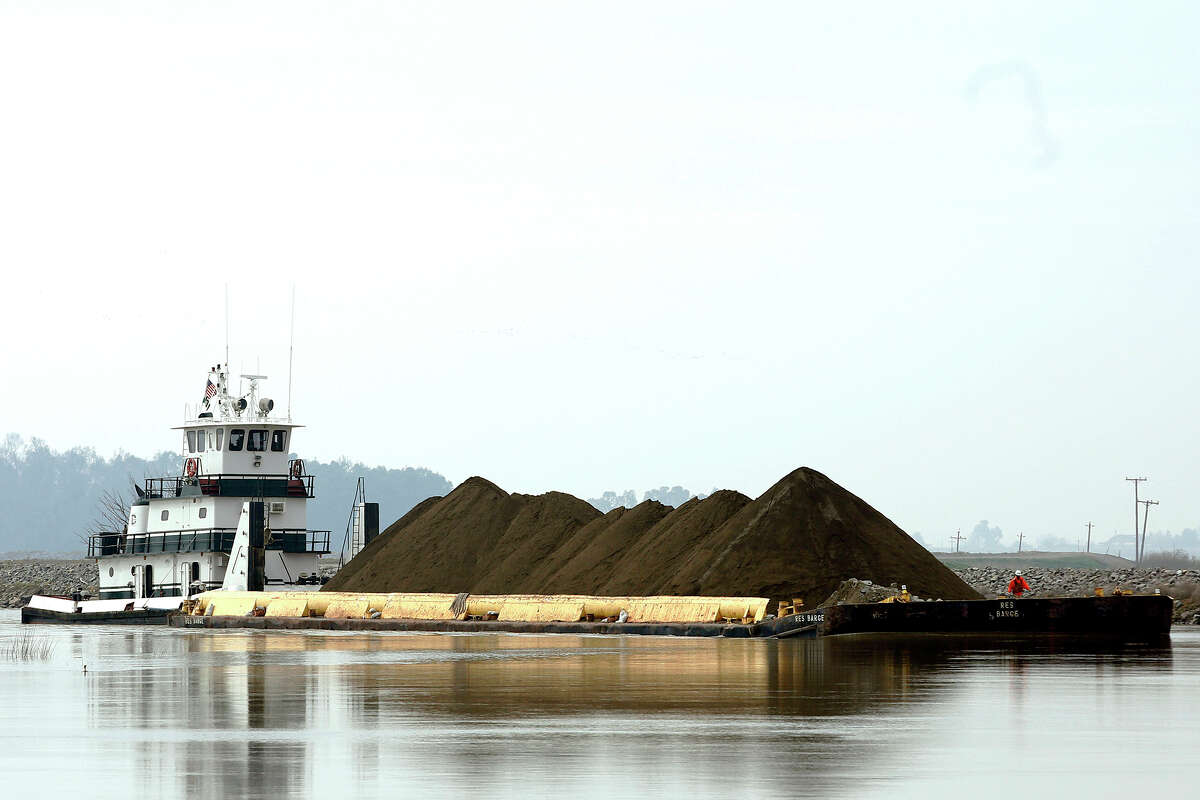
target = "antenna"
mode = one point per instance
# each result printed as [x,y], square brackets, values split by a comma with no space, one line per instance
[227,327]
[291,351]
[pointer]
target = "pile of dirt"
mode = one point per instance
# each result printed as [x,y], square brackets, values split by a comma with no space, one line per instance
[801,538]
[855,591]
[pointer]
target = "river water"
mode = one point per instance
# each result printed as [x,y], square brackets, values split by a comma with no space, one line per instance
[161,712]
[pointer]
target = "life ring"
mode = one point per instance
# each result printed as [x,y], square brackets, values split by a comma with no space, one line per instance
[190,468]
[297,468]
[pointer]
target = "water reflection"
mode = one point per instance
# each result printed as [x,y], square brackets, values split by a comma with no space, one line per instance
[284,714]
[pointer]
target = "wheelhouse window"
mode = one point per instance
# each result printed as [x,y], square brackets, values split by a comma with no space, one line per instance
[257,441]
[237,437]
[191,439]
[199,441]
[220,432]
[278,441]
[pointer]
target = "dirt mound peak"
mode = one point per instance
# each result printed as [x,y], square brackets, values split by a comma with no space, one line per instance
[476,484]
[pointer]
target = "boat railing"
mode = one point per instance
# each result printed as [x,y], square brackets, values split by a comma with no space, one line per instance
[232,485]
[289,540]
[299,541]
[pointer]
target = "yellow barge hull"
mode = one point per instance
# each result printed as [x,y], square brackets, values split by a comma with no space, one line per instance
[505,608]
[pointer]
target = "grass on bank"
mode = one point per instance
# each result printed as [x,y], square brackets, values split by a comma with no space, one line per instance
[27,646]
[1178,559]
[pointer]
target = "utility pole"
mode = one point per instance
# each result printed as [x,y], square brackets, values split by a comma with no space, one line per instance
[1020,540]
[1089,544]
[956,538]
[1145,519]
[1136,481]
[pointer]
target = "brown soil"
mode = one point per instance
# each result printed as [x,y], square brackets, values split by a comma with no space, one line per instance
[801,538]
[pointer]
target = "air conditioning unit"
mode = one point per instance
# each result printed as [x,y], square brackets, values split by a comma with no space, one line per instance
[277,506]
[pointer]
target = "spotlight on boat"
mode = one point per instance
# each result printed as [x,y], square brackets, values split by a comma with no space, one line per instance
[265,405]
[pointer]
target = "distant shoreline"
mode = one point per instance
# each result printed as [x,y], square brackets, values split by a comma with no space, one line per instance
[22,577]
[1072,559]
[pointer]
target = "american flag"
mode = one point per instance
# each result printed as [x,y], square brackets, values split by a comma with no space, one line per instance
[209,391]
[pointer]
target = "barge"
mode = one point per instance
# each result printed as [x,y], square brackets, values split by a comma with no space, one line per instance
[1123,618]
[43,609]
[774,628]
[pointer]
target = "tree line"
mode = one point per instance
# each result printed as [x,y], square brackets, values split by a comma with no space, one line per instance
[667,495]
[50,498]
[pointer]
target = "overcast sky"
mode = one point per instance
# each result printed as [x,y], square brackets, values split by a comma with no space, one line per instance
[945,254]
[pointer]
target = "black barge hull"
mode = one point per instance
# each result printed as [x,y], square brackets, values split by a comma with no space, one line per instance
[43,616]
[1122,617]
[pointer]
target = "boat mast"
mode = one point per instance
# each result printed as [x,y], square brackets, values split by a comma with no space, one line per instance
[291,352]
[227,327]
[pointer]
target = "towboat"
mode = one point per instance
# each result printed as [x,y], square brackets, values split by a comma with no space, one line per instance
[237,483]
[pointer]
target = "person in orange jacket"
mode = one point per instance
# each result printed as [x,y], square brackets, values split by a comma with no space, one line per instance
[1018,585]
